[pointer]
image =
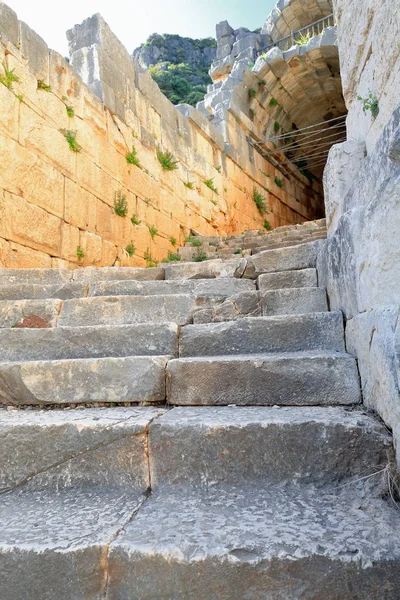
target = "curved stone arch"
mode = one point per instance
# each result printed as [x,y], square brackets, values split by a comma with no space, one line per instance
[291,15]
[284,92]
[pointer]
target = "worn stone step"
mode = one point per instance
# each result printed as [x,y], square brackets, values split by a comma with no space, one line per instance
[297,379]
[32,313]
[88,342]
[208,269]
[288,279]
[237,445]
[293,301]
[120,310]
[75,381]
[302,256]
[31,291]
[58,449]
[238,542]
[92,274]
[35,276]
[290,333]
[213,287]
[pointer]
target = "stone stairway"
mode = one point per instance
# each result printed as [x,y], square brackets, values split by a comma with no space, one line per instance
[161,443]
[251,242]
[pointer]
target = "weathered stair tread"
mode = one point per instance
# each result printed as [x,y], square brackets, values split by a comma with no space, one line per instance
[92,274]
[88,342]
[287,279]
[54,544]
[120,310]
[301,379]
[54,449]
[230,544]
[281,333]
[33,291]
[221,286]
[35,276]
[239,444]
[302,256]
[206,270]
[14,312]
[122,379]
[294,301]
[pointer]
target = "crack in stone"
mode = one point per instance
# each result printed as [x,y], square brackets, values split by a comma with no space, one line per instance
[74,456]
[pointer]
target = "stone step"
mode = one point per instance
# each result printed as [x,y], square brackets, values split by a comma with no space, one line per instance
[32,313]
[284,244]
[293,301]
[86,275]
[288,279]
[297,379]
[58,449]
[237,542]
[88,342]
[303,256]
[31,291]
[206,270]
[198,287]
[236,445]
[291,333]
[121,310]
[77,381]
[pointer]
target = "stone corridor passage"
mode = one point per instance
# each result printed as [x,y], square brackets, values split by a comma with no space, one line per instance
[189,432]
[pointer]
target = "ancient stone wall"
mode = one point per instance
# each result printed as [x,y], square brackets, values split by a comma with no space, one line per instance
[361,266]
[57,205]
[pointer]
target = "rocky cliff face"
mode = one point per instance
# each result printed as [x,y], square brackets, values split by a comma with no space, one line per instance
[179,65]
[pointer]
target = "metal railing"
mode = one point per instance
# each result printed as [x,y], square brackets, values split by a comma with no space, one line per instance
[301,35]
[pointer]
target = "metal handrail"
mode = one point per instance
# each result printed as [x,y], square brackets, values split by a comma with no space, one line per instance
[311,30]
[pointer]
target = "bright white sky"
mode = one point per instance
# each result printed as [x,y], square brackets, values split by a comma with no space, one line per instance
[133,22]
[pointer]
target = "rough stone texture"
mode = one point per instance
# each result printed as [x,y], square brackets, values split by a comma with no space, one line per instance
[300,543]
[287,379]
[33,291]
[8,24]
[344,162]
[15,313]
[58,548]
[374,338]
[75,449]
[294,301]
[41,277]
[244,304]
[292,333]
[303,256]
[88,342]
[120,310]
[287,279]
[213,287]
[236,445]
[206,270]
[134,379]
[359,262]
[91,274]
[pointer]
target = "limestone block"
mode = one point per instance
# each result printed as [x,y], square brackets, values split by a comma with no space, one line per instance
[69,242]
[35,49]
[294,301]
[29,225]
[249,41]
[80,207]
[223,29]
[29,313]
[17,256]
[60,343]
[294,333]
[373,337]
[302,379]
[9,24]
[91,244]
[46,141]
[344,162]
[135,379]
[9,110]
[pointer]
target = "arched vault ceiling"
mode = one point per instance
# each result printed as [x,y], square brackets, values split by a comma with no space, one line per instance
[291,15]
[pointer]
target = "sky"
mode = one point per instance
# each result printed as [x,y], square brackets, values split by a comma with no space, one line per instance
[134,21]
